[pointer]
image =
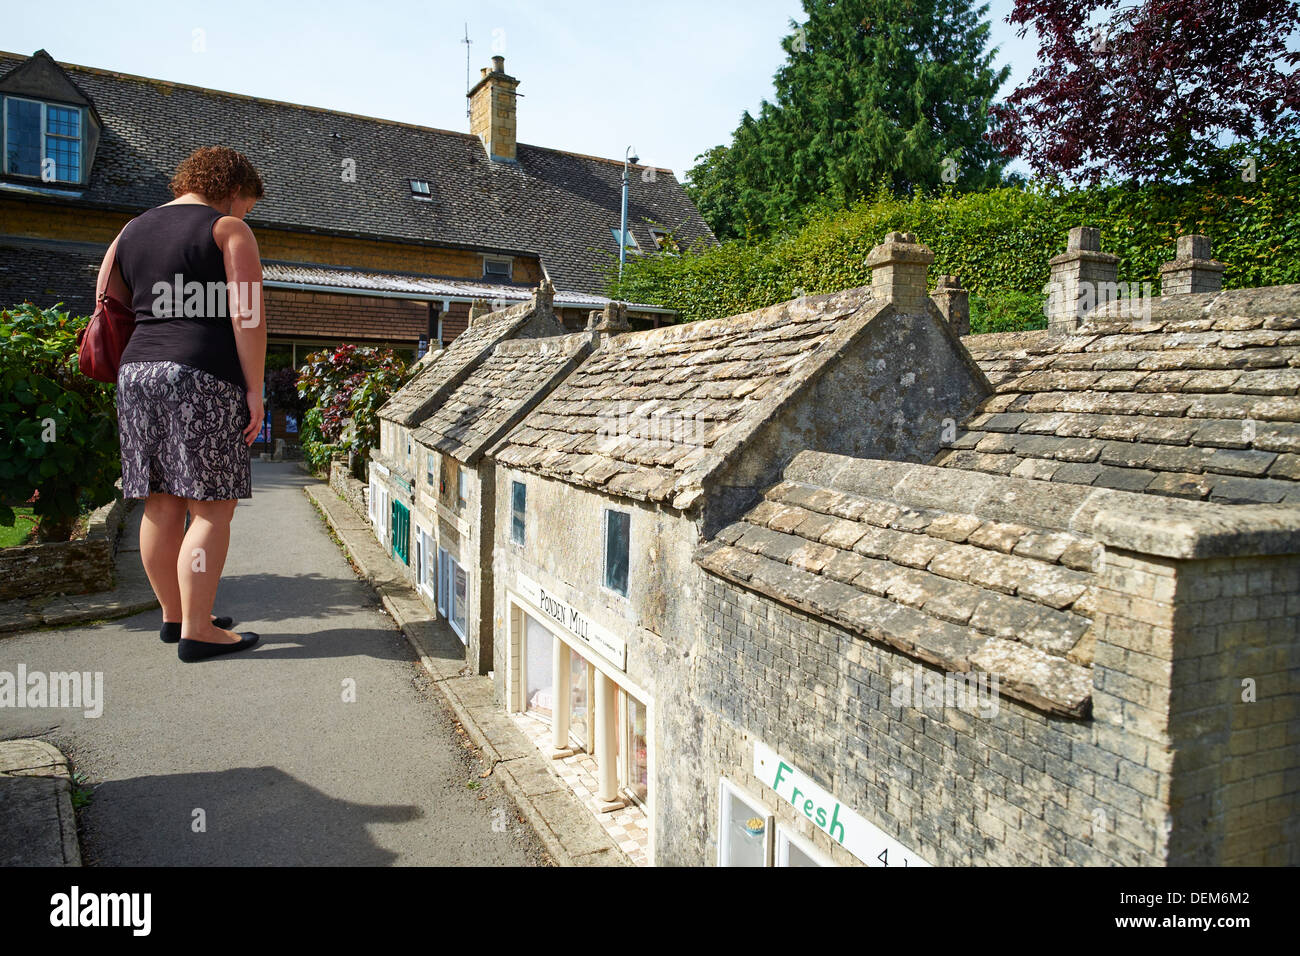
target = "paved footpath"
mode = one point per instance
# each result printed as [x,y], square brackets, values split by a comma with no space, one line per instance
[257,759]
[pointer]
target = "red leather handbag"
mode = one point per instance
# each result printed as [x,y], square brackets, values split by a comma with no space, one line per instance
[101,343]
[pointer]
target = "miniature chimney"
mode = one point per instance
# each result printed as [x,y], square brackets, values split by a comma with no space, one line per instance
[1083,278]
[477,309]
[1193,269]
[611,319]
[492,111]
[544,295]
[898,267]
[954,302]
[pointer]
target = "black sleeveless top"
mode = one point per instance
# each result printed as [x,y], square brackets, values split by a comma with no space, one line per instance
[162,253]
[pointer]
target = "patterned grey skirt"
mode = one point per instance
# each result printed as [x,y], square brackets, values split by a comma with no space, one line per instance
[181,433]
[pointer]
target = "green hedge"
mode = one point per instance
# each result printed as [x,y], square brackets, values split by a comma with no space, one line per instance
[998,242]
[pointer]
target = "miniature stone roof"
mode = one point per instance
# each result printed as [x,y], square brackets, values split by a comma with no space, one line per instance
[652,414]
[498,391]
[414,400]
[1200,400]
[966,570]
[842,539]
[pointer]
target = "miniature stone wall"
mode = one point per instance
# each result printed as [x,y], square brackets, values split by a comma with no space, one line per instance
[65,567]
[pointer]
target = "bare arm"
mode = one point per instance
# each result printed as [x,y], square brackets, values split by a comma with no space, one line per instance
[112,282]
[244,282]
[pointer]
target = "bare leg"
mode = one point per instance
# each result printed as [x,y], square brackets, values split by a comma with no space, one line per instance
[161,529]
[198,569]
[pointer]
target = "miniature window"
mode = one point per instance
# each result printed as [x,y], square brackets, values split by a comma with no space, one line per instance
[617,539]
[462,487]
[453,592]
[793,850]
[420,190]
[744,829]
[429,570]
[518,502]
[636,766]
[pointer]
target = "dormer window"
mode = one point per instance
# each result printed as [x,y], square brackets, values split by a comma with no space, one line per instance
[420,190]
[498,268]
[629,240]
[42,140]
[664,242]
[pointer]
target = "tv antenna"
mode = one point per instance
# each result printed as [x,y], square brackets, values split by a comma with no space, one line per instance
[467,41]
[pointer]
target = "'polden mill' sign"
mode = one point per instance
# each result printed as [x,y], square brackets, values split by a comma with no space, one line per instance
[607,645]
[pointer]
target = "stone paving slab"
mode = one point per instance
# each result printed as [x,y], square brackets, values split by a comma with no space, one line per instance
[37,824]
[565,827]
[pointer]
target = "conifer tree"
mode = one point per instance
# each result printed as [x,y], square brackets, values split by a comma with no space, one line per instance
[873,91]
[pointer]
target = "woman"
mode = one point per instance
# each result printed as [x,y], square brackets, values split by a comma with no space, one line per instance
[189,390]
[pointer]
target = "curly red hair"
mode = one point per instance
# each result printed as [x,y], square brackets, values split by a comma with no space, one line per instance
[216,173]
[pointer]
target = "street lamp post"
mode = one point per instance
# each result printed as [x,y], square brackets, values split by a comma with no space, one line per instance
[628,157]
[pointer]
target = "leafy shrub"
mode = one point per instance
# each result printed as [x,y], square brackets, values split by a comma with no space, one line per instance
[315,450]
[282,392]
[346,387]
[58,428]
[1007,312]
[998,242]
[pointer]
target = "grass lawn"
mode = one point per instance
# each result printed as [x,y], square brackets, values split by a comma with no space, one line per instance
[18,532]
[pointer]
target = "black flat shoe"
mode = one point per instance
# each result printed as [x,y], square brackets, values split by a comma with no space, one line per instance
[190,651]
[171,630]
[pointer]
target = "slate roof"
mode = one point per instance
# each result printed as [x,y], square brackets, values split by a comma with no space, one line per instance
[497,392]
[952,585]
[652,414]
[411,401]
[1201,400]
[46,266]
[370,280]
[554,204]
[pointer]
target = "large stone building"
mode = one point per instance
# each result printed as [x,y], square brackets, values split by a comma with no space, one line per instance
[372,232]
[830,584]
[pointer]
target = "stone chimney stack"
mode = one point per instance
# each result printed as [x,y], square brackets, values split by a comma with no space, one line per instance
[1193,268]
[477,309]
[544,295]
[611,319]
[954,302]
[1083,278]
[492,111]
[898,268]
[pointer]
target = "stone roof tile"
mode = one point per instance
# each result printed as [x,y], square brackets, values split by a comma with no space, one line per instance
[1196,401]
[702,387]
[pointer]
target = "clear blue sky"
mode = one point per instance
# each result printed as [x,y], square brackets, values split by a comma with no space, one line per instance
[670,77]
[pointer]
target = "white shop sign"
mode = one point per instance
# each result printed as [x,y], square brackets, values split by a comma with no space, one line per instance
[607,645]
[870,844]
